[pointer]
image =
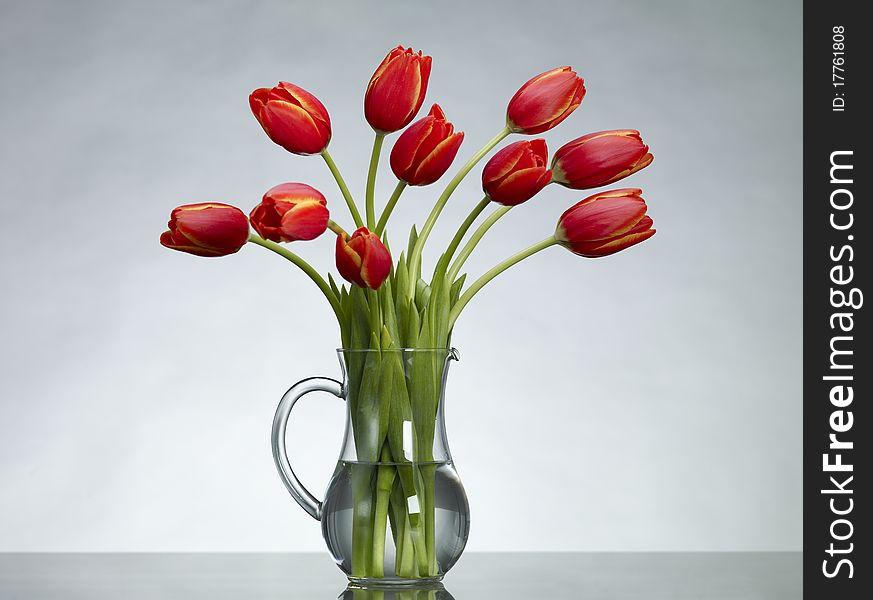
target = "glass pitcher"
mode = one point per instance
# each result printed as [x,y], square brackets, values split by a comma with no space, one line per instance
[395,512]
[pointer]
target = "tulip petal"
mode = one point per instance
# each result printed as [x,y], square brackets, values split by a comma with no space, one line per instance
[439,132]
[600,158]
[376,262]
[520,186]
[294,192]
[606,219]
[292,118]
[392,55]
[601,249]
[305,221]
[293,128]
[265,220]
[631,193]
[439,160]
[206,229]
[348,262]
[308,102]
[362,259]
[504,161]
[437,113]
[545,101]
[640,164]
[168,240]
[290,212]
[257,101]
[644,162]
[211,226]
[400,90]
[405,149]
[397,90]
[540,150]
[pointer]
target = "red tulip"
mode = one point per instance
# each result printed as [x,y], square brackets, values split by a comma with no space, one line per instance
[290,212]
[516,173]
[425,151]
[605,223]
[292,117]
[396,90]
[208,229]
[600,158]
[362,259]
[545,101]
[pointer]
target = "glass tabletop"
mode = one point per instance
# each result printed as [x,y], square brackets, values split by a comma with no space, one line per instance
[501,576]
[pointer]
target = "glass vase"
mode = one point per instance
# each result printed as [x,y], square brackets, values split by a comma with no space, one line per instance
[395,512]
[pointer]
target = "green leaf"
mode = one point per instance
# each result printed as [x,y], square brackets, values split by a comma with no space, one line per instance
[401,412]
[439,303]
[456,288]
[368,421]
[423,396]
[413,326]
[357,312]
[389,318]
[401,279]
[333,286]
[413,237]
[422,293]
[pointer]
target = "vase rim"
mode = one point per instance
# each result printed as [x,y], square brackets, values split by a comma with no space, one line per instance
[451,352]
[397,350]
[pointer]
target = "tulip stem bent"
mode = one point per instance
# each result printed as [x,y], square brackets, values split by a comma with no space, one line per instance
[356,216]
[370,198]
[415,257]
[465,227]
[306,268]
[336,228]
[494,272]
[474,240]
[389,208]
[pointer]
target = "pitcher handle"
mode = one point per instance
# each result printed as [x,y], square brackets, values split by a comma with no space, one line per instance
[304,498]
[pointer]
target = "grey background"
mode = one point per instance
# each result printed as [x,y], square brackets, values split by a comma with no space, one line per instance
[649,401]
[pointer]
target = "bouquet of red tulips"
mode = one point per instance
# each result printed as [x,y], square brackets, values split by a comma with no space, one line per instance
[391,304]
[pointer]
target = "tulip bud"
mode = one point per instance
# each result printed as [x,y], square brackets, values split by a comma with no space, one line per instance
[396,90]
[545,101]
[599,159]
[362,259]
[292,117]
[208,229]
[290,212]
[605,223]
[425,151]
[517,173]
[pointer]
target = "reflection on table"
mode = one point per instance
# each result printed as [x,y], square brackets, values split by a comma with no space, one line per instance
[477,576]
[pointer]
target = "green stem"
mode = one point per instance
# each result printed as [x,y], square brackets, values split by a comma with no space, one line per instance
[404,557]
[389,208]
[418,521]
[375,316]
[428,473]
[407,555]
[465,226]
[494,272]
[415,258]
[336,228]
[362,520]
[419,546]
[384,484]
[474,241]
[307,268]
[371,180]
[343,188]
